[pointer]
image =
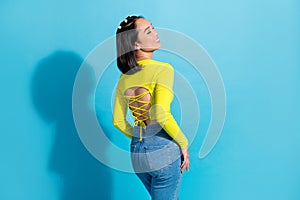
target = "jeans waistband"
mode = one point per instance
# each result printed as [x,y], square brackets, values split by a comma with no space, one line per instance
[148,131]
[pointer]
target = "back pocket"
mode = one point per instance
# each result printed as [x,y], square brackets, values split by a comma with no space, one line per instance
[158,157]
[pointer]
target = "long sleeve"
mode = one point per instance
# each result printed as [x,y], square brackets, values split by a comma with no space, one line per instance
[163,98]
[119,115]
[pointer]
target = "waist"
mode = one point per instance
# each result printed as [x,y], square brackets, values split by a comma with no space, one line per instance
[148,131]
[152,135]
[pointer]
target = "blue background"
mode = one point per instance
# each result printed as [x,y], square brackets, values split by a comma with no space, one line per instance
[255,45]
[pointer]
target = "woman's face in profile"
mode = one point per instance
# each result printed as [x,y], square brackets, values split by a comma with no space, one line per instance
[147,36]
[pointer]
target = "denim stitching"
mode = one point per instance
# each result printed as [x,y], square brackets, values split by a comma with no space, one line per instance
[176,193]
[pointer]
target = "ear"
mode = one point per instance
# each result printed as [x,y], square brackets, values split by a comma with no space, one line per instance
[137,46]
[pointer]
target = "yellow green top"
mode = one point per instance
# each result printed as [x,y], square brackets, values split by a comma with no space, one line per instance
[157,79]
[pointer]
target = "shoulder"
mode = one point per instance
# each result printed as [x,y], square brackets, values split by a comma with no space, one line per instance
[160,66]
[165,68]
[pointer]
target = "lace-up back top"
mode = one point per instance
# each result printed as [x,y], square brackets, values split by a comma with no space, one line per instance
[148,95]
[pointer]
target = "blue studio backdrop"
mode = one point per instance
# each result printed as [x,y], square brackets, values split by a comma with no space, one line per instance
[254,44]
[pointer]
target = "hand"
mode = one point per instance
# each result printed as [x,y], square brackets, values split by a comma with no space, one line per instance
[186,160]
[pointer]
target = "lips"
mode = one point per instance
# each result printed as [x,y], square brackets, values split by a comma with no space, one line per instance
[157,40]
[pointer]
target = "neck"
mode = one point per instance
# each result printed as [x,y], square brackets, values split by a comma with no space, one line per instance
[142,55]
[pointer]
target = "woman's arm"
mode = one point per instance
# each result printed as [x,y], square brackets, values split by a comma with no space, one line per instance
[119,115]
[163,98]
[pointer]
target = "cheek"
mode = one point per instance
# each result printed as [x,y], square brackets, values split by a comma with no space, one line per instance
[145,42]
[150,39]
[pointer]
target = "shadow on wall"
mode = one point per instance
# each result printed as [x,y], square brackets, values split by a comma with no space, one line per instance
[82,176]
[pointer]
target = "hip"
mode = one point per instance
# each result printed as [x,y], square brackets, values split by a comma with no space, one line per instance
[155,151]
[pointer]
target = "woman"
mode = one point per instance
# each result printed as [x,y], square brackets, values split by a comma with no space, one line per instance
[159,149]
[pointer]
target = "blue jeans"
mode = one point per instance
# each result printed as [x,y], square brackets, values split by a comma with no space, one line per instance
[156,161]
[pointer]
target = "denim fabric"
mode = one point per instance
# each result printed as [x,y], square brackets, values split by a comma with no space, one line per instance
[156,160]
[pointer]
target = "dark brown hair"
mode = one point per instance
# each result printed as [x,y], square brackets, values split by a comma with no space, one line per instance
[126,36]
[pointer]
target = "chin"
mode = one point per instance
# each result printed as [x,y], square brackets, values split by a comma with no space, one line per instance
[152,49]
[158,47]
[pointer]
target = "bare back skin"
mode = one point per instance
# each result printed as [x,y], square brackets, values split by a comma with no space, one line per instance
[134,91]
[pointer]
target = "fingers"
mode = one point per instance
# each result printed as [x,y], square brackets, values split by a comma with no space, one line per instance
[185,166]
[186,161]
